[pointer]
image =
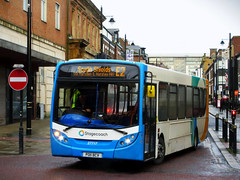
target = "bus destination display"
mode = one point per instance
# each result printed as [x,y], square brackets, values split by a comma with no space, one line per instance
[98,70]
[101,71]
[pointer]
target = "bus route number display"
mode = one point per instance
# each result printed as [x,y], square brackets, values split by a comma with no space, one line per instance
[100,71]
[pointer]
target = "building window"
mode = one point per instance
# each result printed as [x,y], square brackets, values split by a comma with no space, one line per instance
[42,80]
[79,26]
[25,5]
[44,10]
[57,16]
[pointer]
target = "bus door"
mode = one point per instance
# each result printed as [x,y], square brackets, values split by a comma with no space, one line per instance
[149,120]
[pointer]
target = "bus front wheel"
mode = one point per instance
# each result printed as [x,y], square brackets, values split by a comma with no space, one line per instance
[161,151]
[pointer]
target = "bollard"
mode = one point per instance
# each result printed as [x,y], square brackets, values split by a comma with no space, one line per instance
[233,137]
[224,129]
[216,122]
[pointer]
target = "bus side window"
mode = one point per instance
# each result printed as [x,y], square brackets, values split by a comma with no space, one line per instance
[181,102]
[196,102]
[189,102]
[201,111]
[172,102]
[163,102]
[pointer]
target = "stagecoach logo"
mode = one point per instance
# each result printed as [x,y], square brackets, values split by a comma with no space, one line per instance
[82,133]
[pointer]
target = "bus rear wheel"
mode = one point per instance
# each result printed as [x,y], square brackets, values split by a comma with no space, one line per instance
[161,151]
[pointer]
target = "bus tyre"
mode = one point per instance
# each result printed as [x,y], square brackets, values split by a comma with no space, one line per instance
[195,140]
[161,151]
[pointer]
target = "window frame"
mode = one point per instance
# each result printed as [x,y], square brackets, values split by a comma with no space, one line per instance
[44,10]
[25,5]
[57,16]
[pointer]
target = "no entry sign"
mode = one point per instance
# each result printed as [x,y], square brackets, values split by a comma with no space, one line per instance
[18,79]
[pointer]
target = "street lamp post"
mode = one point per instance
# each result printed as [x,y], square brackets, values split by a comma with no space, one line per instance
[102,55]
[217,80]
[29,85]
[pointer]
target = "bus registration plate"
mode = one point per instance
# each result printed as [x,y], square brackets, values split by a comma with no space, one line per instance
[92,155]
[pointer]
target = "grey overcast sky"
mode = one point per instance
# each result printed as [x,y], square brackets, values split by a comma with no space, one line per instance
[174,26]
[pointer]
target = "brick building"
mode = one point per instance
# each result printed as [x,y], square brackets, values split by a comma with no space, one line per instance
[48,47]
[61,30]
[235,45]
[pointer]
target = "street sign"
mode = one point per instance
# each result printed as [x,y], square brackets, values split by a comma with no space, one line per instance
[18,79]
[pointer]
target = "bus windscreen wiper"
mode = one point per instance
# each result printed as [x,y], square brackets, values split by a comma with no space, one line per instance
[75,125]
[120,131]
[72,126]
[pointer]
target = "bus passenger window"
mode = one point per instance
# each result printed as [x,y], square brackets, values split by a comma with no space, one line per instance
[201,108]
[189,107]
[204,100]
[163,102]
[196,108]
[181,102]
[173,102]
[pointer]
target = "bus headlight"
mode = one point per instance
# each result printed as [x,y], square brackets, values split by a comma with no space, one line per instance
[127,140]
[61,137]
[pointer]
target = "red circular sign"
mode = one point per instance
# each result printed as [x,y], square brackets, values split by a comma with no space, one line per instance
[18,79]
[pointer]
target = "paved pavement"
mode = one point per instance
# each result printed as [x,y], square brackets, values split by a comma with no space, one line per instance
[38,143]
[232,159]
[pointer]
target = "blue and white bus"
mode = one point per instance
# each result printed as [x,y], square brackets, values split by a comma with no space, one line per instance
[125,110]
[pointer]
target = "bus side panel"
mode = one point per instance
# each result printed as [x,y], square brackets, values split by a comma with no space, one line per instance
[133,151]
[180,132]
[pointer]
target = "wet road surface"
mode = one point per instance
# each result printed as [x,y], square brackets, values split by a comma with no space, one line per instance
[204,163]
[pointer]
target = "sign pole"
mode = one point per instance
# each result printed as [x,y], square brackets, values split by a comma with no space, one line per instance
[21,122]
[18,80]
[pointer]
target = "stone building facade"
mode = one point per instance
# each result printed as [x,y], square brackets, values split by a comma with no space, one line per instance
[83,29]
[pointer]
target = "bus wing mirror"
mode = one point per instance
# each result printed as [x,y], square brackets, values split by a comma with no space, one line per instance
[150,91]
